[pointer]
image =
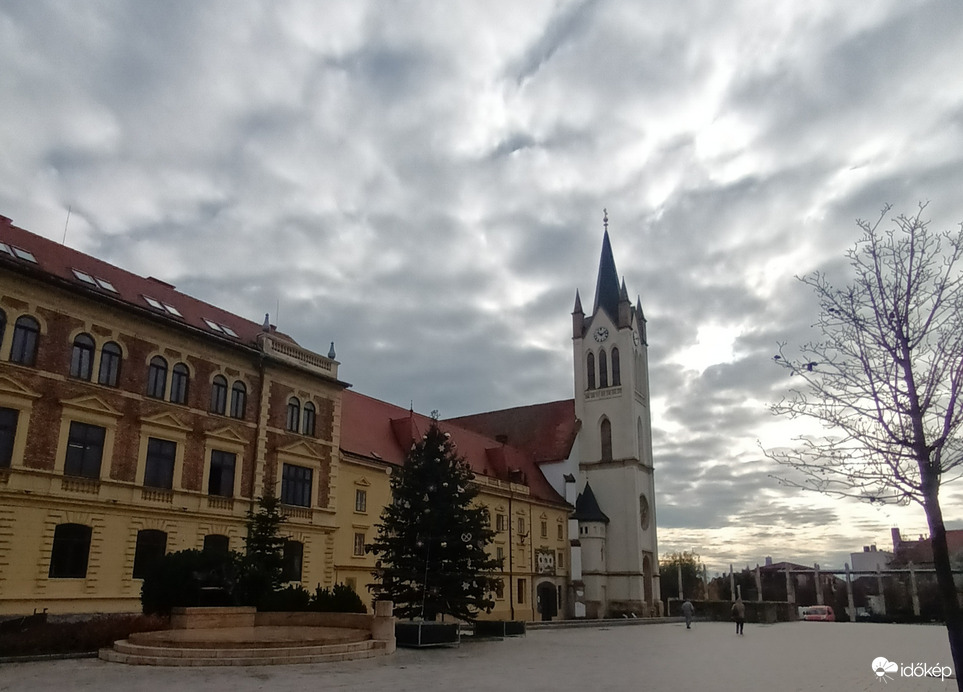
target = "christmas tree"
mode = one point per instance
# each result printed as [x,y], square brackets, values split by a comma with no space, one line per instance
[432,538]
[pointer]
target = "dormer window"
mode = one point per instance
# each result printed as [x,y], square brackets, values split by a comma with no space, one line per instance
[24,254]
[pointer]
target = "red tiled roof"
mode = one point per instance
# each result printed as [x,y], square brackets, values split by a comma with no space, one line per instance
[376,429]
[61,261]
[546,431]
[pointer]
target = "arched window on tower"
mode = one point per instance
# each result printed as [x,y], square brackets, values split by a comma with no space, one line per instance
[606,433]
[603,370]
[616,368]
[590,365]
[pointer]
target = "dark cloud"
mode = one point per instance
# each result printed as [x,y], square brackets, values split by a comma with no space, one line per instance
[425,188]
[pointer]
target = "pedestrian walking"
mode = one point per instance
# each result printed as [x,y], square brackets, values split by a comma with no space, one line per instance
[739,614]
[687,610]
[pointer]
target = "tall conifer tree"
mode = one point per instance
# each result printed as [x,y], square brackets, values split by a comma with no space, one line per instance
[432,538]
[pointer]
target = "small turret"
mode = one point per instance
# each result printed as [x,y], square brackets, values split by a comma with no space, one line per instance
[578,318]
[625,307]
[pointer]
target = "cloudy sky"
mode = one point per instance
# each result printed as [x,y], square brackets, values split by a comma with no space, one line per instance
[423,183]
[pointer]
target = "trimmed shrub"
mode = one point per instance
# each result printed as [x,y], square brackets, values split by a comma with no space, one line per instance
[340,599]
[188,578]
[291,599]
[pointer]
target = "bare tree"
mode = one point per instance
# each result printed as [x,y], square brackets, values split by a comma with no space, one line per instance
[884,380]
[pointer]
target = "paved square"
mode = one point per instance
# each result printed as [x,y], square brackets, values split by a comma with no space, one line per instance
[775,658]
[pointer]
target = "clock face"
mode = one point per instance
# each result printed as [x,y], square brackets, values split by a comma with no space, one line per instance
[601,334]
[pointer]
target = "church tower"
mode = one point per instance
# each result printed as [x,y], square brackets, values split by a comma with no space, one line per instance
[614,448]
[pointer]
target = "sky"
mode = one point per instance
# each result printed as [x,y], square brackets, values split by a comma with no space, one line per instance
[423,184]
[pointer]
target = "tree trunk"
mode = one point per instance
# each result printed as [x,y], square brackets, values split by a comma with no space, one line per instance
[944,578]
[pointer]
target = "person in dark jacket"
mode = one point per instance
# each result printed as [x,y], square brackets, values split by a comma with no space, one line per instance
[739,614]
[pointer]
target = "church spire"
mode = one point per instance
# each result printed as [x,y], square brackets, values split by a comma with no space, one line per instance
[607,290]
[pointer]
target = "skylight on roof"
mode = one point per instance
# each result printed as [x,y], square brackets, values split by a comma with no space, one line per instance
[24,254]
[6,248]
[212,325]
[154,303]
[227,330]
[106,285]
[172,310]
[85,277]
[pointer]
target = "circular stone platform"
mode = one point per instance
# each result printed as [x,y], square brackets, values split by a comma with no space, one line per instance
[249,637]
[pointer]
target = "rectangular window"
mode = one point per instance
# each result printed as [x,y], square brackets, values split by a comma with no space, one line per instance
[500,524]
[71,549]
[521,526]
[221,479]
[85,450]
[544,529]
[500,553]
[296,485]
[159,469]
[360,500]
[560,559]
[359,544]
[561,534]
[8,433]
[499,589]
[522,588]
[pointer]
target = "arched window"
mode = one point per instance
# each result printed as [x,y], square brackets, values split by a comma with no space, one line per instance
[26,332]
[217,544]
[309,416]
[292,560]
[82,357]
[238,399]
[294,414]
[110,357]
[219,394]
[151,547]
[157,377]
[616,368]
[71,548]
[590,366]
[603,370]
[606,433]
[180,376]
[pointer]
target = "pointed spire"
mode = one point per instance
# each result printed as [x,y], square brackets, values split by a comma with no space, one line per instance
[623,292]
[267,322]
[578,318]
[331,353]
[607,286]
[587,507]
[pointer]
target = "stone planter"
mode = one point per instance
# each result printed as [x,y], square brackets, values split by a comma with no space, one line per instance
[422,633]
[499,628]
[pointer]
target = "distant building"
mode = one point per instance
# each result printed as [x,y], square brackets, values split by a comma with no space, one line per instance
[870,560]
[920,551]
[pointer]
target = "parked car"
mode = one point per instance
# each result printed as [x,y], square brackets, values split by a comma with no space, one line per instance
[820,614]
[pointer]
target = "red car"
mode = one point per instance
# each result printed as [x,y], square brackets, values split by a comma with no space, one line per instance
[819,614]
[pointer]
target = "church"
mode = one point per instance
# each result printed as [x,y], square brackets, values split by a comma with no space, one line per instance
[596,451]
[136,420]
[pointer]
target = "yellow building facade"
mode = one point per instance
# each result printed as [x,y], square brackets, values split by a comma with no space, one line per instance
[136,421]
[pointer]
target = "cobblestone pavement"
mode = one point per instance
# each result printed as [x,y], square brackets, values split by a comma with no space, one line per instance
[775,658]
